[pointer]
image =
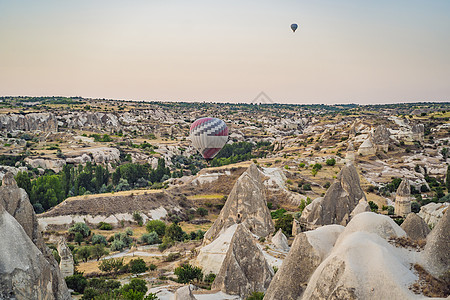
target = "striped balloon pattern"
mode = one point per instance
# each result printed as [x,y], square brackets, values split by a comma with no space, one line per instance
[209,135]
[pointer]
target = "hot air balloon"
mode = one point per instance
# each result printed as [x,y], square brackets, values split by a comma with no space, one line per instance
[294,27]
[208,136]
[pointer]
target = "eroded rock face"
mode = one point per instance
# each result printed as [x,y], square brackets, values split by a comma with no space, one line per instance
[340,200]
[28,269]
[307,252]
[403,199]
[246,204]
[433,212]
[350,155]
[381,137]
[418,131]
[280,241]
[184,293]
[415,227]
[244,269]
[30,122]
[361,207]
[66,263]
[367,148]
[437,249]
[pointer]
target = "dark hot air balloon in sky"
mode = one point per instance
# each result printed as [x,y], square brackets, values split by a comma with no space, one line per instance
[294,27]
[208,136]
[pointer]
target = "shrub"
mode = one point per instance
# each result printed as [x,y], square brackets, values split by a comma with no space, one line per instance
[78,238]
[202,211]
[306,187]
[117,245]
[373,206]
[327,185]
[317,166]
[138,218]
[415,207]
[137,285]
[84,253]
[209,278]
[269,205]
[175,233]
[138,265]
[331,162]
[390,210]
[81,228]
[76,282]
[278,213]
[256,296]
[172,257]
[104,226]
[150,238]
[157,226]
[99,239]
[90,294]
[152,267]
[112,264]
[187,273]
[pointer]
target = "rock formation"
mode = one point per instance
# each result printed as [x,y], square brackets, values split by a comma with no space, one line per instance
[296,229]
[403,199]
[437,249]
[350,155]
[363,264]
[244,270]
[30,122]
[66,263]
[367,147]
[28,269]
[415,227]
[340,200]
[381,138]
[184,293]
[246,204]
[280,241]
[307,252]
[433,212]
[362,206]
[418,131]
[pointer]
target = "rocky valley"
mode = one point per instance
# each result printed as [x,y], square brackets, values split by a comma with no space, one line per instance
[106,199]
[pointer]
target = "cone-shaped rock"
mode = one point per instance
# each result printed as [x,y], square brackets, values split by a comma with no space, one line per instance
[246,204]
[280,241]
[244,270]
[28,269]
[361,207]
[340,200]
[307,252]
[415,227]
[403,199]
[437,249]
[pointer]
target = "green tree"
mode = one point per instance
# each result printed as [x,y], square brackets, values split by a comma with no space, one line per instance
[98,251]
[76,282]
[99,239]
[187,273]
[175,233]
[331,162]
[137,285]
[150,238]
[138,265]
[157,226]
[373,206]
[81,228]
[47,190]
[447,179]
[84,253]
[202,211]
[78,238]
[256,296]
[23,181]
[285,223]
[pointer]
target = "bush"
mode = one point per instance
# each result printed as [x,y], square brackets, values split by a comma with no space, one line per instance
[84,253]
[175,233]
[137,285]
[112,264]
[138,218]
[78,238]
[81,228]
[117,245]
[278,213]
[285,223]
[390,210]
[150,238]
[138,265]
[172,257]
[157,226]
[331,162]
[76,282]
[187,273]
[327,185]
[152,267]
[415,207]
[99,239]
[269,205]
[317,167]
[256,296]
[209,278]
[373,206]
[98,251]
[90,294]
[306,187]
[202,211]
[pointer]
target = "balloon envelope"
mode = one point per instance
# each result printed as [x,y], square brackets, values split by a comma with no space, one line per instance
[208,136]
[294,27]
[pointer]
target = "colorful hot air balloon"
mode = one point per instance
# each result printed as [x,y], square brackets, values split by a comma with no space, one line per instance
[294,27]
[208,136]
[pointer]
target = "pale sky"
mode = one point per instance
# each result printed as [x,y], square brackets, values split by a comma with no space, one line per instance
[346,51]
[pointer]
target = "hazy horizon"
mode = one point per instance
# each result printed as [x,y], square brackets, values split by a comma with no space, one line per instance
[343,52]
